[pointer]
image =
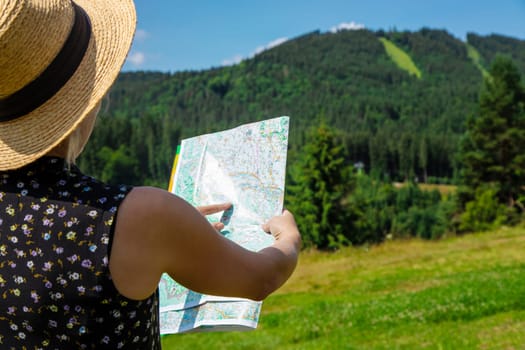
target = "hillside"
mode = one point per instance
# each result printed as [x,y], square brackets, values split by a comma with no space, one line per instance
[387,114]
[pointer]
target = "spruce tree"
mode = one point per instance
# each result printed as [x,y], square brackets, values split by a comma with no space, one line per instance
[492,148]
[320,180]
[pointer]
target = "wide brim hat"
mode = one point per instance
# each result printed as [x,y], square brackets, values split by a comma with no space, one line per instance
[33,37]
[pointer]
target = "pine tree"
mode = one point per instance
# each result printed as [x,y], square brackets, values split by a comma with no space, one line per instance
[320,180]
[492,148]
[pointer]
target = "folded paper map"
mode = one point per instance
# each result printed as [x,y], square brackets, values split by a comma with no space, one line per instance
[246,167]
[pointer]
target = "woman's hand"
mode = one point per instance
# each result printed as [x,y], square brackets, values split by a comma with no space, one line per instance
[212,209]
[283,227]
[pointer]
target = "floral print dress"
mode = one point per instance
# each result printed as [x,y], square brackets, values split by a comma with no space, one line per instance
[56,228]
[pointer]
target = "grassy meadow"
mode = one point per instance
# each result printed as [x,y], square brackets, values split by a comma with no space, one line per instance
[457,293]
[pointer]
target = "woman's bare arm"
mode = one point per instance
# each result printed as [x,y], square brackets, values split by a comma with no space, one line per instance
[158,232]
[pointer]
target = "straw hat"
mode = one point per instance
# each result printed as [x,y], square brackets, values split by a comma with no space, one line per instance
[58,58]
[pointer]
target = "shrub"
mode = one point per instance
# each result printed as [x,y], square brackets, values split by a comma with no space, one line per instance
[484,212]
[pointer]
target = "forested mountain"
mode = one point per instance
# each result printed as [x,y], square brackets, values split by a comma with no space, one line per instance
[399,101]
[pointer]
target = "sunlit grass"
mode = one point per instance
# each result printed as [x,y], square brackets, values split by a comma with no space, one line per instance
[443,189]
[474,55]
[400,58]
[458,293]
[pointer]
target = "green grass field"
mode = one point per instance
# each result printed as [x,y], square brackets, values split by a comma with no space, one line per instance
[400,58]
[458,293]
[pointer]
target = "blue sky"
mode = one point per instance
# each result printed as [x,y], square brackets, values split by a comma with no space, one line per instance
[175,35]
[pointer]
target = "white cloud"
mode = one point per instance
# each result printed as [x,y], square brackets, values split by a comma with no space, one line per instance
[137,58]
[270,45]
[231,61]
[347,26]
[141,35]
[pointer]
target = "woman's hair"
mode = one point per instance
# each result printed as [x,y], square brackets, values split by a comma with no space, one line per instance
[74,143]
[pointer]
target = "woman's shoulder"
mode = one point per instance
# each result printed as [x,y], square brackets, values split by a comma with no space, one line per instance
[147,209]
[147,198]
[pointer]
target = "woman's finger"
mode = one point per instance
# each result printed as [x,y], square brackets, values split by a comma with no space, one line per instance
[213,208]
[218,225]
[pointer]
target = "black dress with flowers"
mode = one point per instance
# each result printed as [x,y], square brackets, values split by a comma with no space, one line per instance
[56,228]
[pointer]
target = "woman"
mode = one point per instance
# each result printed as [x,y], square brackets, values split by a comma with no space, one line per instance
[81,260]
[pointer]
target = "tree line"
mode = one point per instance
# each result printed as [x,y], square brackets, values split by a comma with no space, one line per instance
[395,124]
